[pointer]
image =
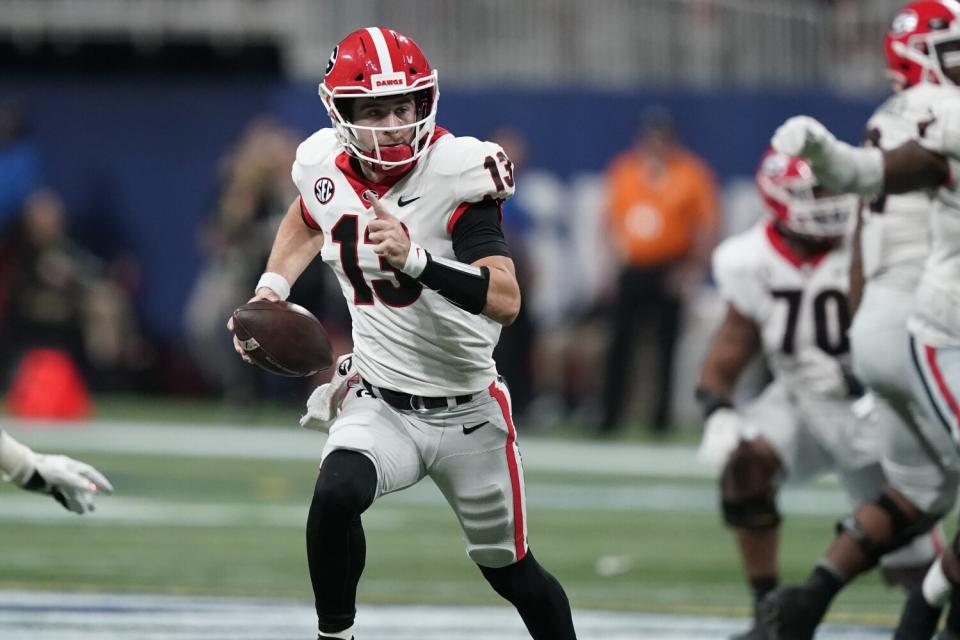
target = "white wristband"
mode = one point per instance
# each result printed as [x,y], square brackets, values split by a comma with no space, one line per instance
[16,460]
[276,282]
[416,261]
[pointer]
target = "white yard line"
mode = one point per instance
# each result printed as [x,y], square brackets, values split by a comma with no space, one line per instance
[55,616]
[390,513]
[669,463]
[292,443]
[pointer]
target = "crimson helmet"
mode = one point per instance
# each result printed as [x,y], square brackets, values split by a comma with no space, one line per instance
[376,62]
[790,193]
[923,38]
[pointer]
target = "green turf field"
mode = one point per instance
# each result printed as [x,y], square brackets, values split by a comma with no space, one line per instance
[234,526]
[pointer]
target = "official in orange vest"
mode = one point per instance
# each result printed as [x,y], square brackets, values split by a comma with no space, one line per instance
[662,216]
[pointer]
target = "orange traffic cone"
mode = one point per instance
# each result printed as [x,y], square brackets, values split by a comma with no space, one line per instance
[47,384]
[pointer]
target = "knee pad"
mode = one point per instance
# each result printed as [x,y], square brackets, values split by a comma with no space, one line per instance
[346,485]
[756,514]
[748,491]
[904,529]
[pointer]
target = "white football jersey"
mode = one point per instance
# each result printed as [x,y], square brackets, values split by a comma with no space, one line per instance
[936,316]
[800,307]
[894,240]
[405,336]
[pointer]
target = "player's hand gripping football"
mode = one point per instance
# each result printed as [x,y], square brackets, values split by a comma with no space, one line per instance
[263,293]
[388,234]
[72,483]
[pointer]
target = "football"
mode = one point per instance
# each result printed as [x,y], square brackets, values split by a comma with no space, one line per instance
[283,338]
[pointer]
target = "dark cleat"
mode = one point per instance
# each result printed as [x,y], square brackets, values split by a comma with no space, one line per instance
[753,633]
[919,620]
[790,613]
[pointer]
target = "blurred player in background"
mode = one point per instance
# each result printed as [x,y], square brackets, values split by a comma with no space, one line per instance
[905,339]
[72,483]
[785,282]
[408,217]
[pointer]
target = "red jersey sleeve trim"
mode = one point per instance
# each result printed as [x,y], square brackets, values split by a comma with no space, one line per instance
[307,217]
[455,216]
[463,208]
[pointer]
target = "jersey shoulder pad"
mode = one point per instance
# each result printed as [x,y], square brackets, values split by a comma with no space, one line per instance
[736,267]
[922,97]
[316,149]
[738,255]
[319,147]
[893,108]
[941,132]
[478,169]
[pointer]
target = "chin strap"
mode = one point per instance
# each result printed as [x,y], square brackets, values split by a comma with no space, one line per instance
[400,153]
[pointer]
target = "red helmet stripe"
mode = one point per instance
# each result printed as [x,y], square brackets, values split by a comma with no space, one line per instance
[383,51]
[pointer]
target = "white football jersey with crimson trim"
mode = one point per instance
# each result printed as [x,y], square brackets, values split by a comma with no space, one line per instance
[799,307]
[936,315]
[406,337]
[894,238]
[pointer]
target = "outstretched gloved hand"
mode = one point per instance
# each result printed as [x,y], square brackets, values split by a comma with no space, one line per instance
[72,483]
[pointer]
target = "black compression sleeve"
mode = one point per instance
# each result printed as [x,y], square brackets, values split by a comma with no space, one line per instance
[477,234]
[462,284]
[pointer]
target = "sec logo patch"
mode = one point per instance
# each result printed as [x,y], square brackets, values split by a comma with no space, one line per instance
[323,189]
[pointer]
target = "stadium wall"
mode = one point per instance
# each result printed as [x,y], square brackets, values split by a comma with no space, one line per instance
[136,159]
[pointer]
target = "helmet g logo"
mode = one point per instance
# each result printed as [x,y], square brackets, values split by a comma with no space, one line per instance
[775,164]
[904,22]
[332,61]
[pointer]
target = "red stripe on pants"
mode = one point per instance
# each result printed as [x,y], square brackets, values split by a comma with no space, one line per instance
[931,354]
[518,537]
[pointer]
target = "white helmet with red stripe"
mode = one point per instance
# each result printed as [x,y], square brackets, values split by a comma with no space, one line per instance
[377,62]
[791,194]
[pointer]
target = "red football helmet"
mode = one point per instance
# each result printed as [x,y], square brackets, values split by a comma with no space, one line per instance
[923,38]
[789,190]
[376,62]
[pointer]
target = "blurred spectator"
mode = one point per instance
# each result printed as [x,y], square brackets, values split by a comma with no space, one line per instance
[662,215]
[513,353]
[59,296]
[255,191]
[255,188]
[20,174]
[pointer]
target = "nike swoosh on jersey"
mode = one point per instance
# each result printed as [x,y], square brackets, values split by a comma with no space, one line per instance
[468,430]
[402,203]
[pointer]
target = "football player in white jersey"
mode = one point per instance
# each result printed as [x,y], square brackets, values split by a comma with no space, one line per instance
[917,161]
[72,483]
[408,217]
[785,282]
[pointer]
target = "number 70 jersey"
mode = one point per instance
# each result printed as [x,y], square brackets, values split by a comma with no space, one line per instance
[406,337]
[799,307]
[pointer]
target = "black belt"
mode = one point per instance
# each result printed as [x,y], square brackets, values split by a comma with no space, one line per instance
[406,402]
